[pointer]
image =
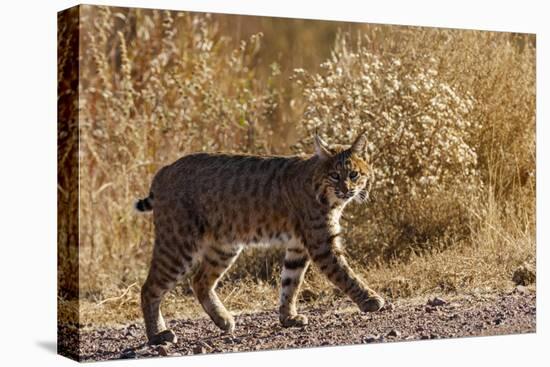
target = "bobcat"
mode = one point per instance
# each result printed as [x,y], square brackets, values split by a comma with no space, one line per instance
[208,207]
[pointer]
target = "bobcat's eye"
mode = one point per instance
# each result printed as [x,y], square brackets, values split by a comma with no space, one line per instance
[334,176]
[354,175]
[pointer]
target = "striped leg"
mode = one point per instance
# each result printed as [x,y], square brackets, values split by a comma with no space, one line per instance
[327,255]
[168,265]
[216,261]
[294,267]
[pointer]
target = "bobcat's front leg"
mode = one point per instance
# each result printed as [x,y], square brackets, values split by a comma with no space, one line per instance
[324,248]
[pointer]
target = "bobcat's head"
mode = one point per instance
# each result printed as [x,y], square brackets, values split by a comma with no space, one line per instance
[345,172]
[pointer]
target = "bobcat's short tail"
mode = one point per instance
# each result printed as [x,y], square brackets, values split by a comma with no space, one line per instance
[144,205]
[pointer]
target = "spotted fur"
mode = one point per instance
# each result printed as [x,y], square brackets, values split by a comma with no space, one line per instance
[208,207]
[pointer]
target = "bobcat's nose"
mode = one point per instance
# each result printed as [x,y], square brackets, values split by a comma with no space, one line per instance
[344,190]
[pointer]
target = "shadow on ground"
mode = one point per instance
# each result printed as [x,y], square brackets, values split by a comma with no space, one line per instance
[48,345]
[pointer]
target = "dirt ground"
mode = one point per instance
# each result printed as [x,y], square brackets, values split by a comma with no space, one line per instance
[513,312]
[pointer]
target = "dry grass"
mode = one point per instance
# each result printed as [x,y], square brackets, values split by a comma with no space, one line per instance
[454,209]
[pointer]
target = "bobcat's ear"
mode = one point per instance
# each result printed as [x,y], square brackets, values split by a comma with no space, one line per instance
[321,148]
[359,146]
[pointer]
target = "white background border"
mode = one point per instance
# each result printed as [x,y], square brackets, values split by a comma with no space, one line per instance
[28,180]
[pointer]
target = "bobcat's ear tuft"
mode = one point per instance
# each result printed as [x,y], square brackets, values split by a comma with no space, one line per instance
[321,148]
[359,146]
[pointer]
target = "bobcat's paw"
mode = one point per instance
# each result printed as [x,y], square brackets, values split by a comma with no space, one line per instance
[294,321]
[372,303]
[166,336]
[226,323]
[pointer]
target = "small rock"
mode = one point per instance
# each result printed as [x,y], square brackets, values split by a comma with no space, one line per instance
[524,275]
[199,349]
[522,290]
[388,307]
[372,338]
[498,321]
[436,301]
[394,333]
[163,350]
[128,353]
[429,309]
[131,332]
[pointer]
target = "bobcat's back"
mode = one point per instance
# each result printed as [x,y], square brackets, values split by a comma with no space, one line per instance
[231,198]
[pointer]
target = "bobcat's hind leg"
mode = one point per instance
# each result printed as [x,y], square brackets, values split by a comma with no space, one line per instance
[215,262]
[294,267]
[169,264]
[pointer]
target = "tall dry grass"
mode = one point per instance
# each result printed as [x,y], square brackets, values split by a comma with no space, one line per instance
[450,116]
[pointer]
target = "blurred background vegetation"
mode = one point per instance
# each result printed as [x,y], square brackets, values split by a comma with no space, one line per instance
[450,116]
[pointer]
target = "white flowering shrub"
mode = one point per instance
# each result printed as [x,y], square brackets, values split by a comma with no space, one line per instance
[419,135]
